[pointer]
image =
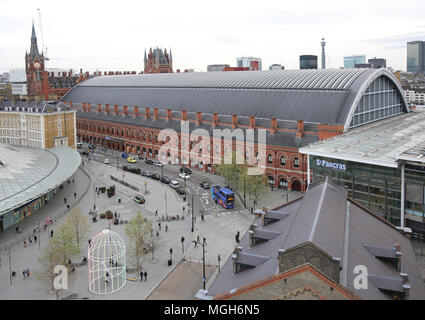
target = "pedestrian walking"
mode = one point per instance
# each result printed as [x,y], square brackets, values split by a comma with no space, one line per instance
[156,213]
[28,273]
[35,239]
[75,195]
[51,234]
[184,209]
[146,275]
[141,276]
[64,200]
[202,217]
[24,273]
[72,180]
[25,244]
[29,240]
[157,234]
[166,227]
[159,225]
[89,241]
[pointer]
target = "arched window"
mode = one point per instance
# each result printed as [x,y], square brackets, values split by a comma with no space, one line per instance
[283,183]
[282,160]
[270,180]
[270,158]
[296,162]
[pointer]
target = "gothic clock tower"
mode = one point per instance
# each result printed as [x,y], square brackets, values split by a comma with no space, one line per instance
[34,67]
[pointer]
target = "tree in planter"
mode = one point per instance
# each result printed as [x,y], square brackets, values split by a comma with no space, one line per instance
[109,214]
[111,191]
[137,231]
[79,225]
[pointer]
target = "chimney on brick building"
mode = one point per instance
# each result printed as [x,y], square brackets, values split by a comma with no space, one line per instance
[252,122]
[88,106]
[263,213]
[136,111]
[84,106]
[405,285]
[235,257]
[273,125]
[155,114]
[215,120]
[398,255]
[147,111]
[300,128]
[198,118]
[234,121]
[168,114]
[125,110]
[184,115]
[116,109]
[106,108]
[99,107]
[251,231]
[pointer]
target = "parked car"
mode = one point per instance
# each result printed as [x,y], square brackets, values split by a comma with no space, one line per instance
[142,158]
[204,185]
[106,161]
[180,190]
[85,153]
[148,161]
[184,175]
[145,173]
[135,170]
[157,163]
[126,168]
[139,199]
[174,184]
[165,180]
[185,170]
[124,155]
[91,146]
[155,176]
[131,159]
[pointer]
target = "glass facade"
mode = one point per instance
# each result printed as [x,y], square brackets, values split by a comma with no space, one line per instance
[416,57]
[381,100]
[308,62]
[350,62]
[375,187]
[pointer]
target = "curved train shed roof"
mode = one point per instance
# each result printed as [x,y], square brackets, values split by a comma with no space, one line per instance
[320,96]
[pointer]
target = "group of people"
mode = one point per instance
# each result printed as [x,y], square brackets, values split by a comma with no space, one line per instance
[26,273]
[143,274]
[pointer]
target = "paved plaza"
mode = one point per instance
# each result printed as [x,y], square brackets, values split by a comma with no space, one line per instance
[219,228]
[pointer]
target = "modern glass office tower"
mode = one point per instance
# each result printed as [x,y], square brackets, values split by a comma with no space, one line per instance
[416,56]
[351,61]
[308,62]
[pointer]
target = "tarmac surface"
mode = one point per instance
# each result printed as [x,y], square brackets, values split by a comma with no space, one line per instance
[218,227]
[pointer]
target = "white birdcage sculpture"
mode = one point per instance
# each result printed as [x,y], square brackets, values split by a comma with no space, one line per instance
[106,259]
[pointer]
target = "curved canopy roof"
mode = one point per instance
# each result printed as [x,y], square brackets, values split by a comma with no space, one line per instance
[320,96]
[28,173]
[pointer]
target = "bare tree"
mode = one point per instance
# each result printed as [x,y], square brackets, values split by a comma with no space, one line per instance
[137,231]
[49,258]
[79,225]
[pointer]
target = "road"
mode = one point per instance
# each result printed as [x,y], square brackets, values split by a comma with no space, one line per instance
[202,201]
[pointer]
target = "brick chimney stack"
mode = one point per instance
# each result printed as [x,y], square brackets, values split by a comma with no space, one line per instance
[198,118]
[273,125]
[235,257]
[125,110]
[155,114]
[405,285]
[215,120]
[398,255]
[136,111]
[147,111]
[168,114]
[88,106]
[184,115]
[251,231]
[99,107]
[300,128]
[116,109]
[234,121]
[252,122]
[106,108]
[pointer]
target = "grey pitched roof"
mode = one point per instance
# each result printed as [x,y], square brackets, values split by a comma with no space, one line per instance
[339,227]
[317,96]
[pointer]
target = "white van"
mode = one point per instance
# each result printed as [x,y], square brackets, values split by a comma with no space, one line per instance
[174,184]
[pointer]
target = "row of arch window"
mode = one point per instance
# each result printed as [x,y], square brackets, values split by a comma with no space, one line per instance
[296,160]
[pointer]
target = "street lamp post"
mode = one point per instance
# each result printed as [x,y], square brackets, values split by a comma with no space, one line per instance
[219,259]
[204,243]
[182,241]
[171,256]
[10,267]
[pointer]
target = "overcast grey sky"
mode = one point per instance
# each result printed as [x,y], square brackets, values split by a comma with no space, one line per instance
[111,35]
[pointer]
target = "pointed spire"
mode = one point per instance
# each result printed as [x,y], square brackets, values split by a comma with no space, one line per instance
[145,56]
[34,47]
[171,56]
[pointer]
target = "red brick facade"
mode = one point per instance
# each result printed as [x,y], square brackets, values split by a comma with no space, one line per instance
[285,168]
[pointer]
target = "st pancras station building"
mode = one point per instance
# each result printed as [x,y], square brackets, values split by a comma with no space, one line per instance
[353,125]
